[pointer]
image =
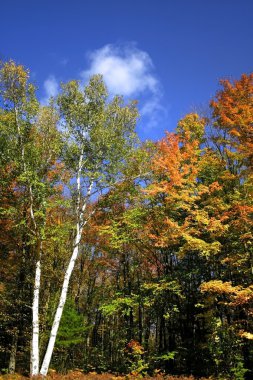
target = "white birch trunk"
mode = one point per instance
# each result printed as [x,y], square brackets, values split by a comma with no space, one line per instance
[79,229]
[35,306]
[35,322]
[58,314]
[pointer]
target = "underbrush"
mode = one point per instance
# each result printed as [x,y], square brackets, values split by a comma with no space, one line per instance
[79,375]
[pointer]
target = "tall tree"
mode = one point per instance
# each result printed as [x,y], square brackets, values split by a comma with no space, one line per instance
[100,135]
[35,149]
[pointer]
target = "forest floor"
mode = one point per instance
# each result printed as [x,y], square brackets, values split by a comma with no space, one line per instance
[78,375]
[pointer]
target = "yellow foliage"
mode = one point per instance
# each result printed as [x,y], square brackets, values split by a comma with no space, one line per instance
[246,335]
[196,244]
[219,287]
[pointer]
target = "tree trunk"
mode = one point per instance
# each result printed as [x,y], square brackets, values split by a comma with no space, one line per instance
[12,361]
[58,314]
[79,229]
[35,323]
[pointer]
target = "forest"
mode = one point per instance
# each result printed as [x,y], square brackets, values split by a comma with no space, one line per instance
[119,255]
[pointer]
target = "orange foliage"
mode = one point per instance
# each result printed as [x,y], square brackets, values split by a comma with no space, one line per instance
[176,166]
[169,233]
[233,110]
[177,163]
[243,296]
[240,220]
[134,347]
[178,156]
[238,296]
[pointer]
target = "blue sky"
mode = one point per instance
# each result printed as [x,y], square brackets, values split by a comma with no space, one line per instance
[168,54]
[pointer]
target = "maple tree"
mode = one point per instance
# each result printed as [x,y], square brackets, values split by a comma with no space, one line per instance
[233,113]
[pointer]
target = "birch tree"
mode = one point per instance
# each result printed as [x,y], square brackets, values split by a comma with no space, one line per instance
[19,100]
[99,136]
[33,151]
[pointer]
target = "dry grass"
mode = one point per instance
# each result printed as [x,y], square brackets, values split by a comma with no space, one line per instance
[76,375]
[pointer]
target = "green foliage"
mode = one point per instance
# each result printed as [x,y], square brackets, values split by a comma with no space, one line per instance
[101,131]
[225,349]
[121,305]
[163,280]
[168,356]
[71,328]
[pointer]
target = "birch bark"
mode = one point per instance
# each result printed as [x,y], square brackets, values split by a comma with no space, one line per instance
[35,321]
[79,229]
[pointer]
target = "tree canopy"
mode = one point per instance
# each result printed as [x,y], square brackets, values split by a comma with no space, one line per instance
[123,255]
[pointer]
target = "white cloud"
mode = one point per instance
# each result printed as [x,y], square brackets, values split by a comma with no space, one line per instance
[51,88]
[128,71]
